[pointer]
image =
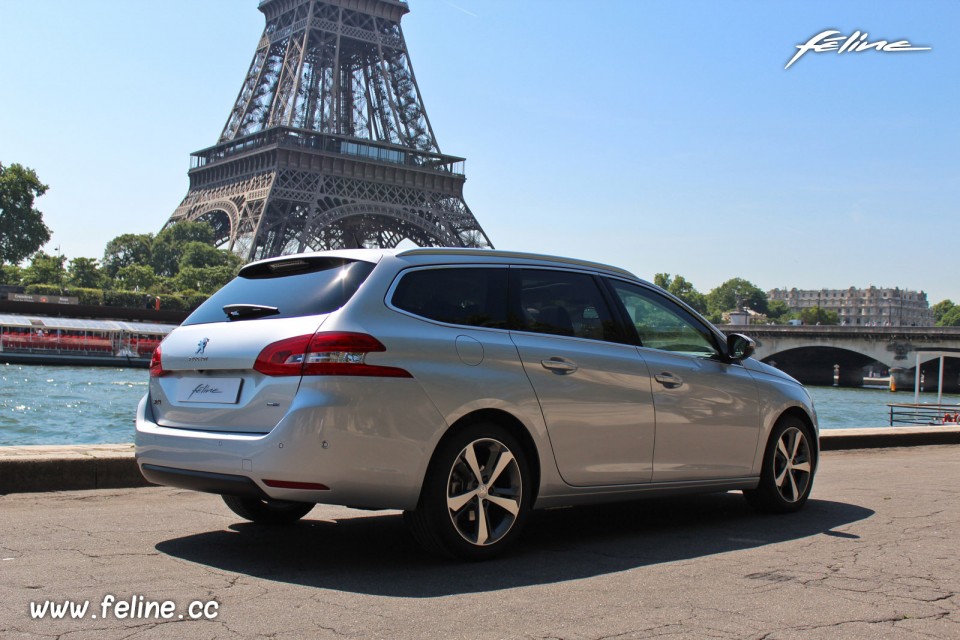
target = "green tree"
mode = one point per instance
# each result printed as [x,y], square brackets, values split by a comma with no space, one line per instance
[819,315]
[126,250]
[736,293]
[202,255]
[22,230]
[169,245]
[940,310]
[9,274]
[84,273]
[206,280]
[135,277]
[45,269]
[778,312]
[951,318]
[683,289]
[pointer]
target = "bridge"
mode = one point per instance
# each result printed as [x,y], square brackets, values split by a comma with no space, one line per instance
[809,353]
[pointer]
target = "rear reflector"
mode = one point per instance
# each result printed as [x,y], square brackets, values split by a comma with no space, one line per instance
[335,353]
[286,484]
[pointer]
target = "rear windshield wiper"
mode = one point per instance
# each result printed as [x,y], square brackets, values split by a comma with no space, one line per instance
[248,311]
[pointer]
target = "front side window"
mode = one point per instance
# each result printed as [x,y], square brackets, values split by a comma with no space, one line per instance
[471,296]
[564,303]
[662,324]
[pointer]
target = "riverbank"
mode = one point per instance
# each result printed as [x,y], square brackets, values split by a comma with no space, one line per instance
[112,466]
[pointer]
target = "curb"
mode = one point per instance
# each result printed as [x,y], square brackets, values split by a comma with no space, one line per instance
[68,468]
[841,439]
[113,466]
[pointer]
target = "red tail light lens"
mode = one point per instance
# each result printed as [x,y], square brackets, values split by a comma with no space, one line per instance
[335,353]
[283,358]
[156,364]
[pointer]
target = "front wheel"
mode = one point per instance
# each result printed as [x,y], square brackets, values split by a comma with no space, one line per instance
[267,511]
[789,464]
[476,495]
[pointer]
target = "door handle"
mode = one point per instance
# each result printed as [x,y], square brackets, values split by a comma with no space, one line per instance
[559,365]
[668,380]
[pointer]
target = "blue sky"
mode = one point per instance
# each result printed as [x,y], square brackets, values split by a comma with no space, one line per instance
[657,136]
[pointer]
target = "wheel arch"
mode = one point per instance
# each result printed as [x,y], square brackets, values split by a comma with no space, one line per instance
[505,420]
[803,416]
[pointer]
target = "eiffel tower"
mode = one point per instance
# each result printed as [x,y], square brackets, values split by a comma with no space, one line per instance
[328,145]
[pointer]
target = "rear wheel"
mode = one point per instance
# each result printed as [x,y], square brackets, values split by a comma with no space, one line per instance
[476,495]
[267,511]
[789,464]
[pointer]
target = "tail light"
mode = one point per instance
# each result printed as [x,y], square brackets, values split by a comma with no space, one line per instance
[325,354]
[156,364]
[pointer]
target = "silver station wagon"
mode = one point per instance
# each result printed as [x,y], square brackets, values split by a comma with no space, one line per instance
[466,388]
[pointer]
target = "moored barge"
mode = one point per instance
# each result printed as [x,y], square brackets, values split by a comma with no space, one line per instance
[79,342]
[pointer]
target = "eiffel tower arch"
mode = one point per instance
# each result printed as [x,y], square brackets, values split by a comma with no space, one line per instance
[328,145]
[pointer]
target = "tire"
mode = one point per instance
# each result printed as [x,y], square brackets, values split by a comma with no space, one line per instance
[789,464]
[267,511]
[476,495]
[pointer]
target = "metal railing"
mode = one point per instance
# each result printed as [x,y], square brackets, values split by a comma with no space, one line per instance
[344,145]
[924,414]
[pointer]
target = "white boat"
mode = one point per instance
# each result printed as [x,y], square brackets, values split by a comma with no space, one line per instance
[74,341]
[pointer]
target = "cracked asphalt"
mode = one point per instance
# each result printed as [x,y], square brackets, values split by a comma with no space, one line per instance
[874,555]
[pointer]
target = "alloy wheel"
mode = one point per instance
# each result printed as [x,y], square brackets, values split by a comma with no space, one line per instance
[484,492]
[792,464]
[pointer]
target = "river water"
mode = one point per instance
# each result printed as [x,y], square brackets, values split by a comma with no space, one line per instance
[96,405]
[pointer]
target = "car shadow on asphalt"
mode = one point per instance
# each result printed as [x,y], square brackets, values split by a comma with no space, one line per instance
[374,554]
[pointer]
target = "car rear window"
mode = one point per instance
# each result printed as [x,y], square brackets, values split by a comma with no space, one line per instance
[472,296]
[285,289]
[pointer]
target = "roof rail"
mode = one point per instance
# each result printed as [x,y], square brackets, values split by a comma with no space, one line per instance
[520,255]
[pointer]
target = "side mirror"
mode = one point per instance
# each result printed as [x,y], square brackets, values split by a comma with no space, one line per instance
[740,346]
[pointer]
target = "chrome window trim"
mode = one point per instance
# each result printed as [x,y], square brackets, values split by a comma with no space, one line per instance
[388,297]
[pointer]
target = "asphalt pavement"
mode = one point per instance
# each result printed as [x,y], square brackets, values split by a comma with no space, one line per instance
[112,466]
[873,555]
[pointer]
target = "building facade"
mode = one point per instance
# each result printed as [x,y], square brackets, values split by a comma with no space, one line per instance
[871,307]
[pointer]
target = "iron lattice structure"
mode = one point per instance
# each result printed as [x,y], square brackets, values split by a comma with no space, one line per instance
[328,145]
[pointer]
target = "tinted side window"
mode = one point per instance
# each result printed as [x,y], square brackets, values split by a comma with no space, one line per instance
[295,287]
[661,324]
[472,296]
[565,303]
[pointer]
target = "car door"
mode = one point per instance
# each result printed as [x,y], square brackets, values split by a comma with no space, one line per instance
[707,407]
[594,391]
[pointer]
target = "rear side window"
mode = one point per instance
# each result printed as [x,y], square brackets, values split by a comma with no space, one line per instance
[285,289]
[565,303]
[475,297]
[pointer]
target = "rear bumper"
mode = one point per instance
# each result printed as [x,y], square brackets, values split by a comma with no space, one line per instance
[205,481]
[367,455]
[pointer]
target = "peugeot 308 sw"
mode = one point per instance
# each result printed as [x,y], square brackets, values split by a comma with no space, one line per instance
[466,388]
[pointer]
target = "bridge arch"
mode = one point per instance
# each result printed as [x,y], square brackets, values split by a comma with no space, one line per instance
[888,348]
[817,365]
